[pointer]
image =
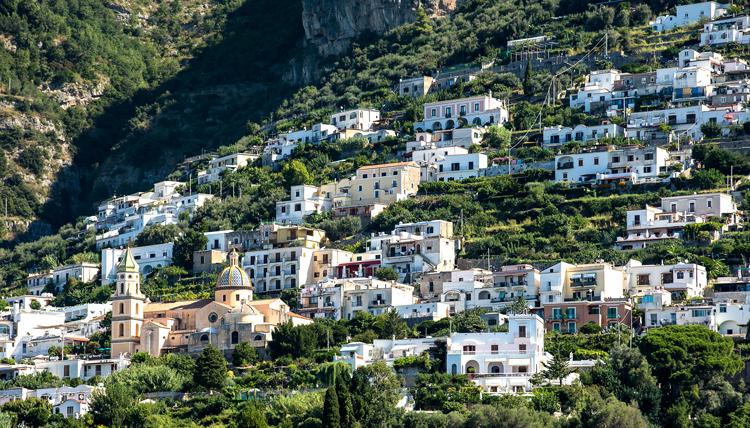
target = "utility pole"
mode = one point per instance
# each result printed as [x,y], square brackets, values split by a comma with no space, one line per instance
[606,42]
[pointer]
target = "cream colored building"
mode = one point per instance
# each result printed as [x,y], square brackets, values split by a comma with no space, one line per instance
[380,184]
[230,318]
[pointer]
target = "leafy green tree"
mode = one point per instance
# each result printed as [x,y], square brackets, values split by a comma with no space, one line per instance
[590,328]
[711,130]
[294,341]
[386,274]
[627,374]
[210,369]
[331,413]
[144,378]
[392,325]
[184,247]
[498,137]
[618,414]
[244,354]
[423,22]
[374,395]
[157,234]
[295,173]
[433,390]
[557,368]
[34,412]
[706,179]
[683,356]
[35,305]
[251,417]
[114,405]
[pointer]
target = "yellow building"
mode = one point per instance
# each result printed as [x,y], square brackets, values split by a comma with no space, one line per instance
[382,184]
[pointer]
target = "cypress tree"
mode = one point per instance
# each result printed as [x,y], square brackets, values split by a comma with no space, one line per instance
[345,399]
[331,414]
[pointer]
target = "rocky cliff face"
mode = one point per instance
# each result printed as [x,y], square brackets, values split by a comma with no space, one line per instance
[331,25]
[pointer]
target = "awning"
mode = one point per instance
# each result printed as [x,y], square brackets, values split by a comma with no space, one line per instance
[402,348]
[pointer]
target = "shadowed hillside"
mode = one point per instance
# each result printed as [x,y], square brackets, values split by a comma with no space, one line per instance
[235,79]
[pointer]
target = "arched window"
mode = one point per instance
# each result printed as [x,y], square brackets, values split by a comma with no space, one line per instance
[204,338]
[235,338]
[122,330]
[258,337]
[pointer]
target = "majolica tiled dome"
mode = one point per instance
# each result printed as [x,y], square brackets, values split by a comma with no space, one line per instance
[233,275]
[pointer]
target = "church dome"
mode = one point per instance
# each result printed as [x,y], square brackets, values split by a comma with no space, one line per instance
[233,276]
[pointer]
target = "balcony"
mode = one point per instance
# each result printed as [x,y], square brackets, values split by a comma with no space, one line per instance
[583,282]
[566,165]
[378,302]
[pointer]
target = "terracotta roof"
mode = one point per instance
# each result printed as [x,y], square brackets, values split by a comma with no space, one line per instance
[388,165]
[182,304]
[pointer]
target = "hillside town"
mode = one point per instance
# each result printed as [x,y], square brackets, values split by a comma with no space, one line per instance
[441,246]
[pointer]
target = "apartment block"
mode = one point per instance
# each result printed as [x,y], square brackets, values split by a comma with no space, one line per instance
[463,112]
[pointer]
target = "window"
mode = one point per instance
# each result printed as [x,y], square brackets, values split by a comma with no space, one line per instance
[235,338]
[571,313]
[521,331]
[476,106]
[556,312]
[593,310]
[213,317]
[612,312]
[571,327]
[680,275]
[636,220]
[469,349]
[723,308]
[522,348]
[697,313]
[494,349]
[596,161]
[708,203]
[643,279]
[556,327]
[580,162]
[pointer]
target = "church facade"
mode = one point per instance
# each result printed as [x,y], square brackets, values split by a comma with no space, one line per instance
[230,318]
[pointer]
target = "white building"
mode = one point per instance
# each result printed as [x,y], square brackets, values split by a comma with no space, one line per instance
[683,280]
[362,119]
[59,276]
[688,14]
[461,166]
[683,123]
[558,135]
[70,402]
[500,362]
[218,165]
[634,164]
[428,157]
[149,257]
[728,30]
[463,112]
[652,224]
[304,201]
[343,298]
[427,311]
[358,354]
[317,133]
[21,326]
[415,248]
[458,137]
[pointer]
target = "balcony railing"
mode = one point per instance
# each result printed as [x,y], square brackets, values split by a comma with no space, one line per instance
[566,165]
[583,282]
